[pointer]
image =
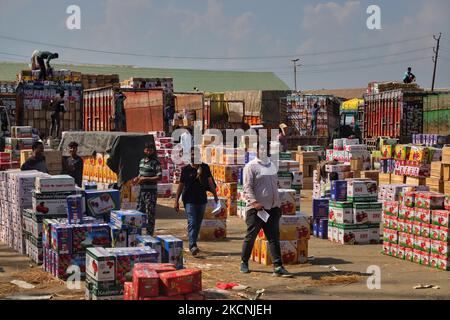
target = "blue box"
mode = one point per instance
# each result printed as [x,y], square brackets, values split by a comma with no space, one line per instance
[149,241]
[322,231]
[320,209]
[100,203]
[338,190]
[76,208]
[119,237]
[61,238]
[316,228]
[172,250]
[90,235]
[129,219]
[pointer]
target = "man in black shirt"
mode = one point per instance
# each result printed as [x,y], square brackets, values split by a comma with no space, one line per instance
[73,164]
[37,160]
[58,107]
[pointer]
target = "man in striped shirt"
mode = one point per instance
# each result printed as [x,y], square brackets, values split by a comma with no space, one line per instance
[149,174]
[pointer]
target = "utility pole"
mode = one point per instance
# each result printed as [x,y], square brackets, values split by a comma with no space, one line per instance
[435,58]
[295,72]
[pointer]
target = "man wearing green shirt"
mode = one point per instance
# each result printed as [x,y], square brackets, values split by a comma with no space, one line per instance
[149,174]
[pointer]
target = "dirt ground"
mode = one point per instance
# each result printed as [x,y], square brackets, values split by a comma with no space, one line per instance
[219,262]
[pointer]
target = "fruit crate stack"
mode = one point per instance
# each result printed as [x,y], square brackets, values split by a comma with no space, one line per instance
[416,228]
[91,81]
[152,281]
[165,150]
[21,139]
[308,161]
[108,269]
[149,83]
[35,107]
[354,212]
[410,164]
[299,114]
[446,169]
[16,196]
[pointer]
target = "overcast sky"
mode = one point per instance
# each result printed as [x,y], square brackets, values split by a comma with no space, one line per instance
[242,28]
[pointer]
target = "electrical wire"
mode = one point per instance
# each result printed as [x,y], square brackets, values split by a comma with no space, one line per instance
[212,58]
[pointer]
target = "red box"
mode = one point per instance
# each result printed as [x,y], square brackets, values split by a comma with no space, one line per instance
[158,267]
[177,297]
[145,283]
[181,281]
[194,296]
[128,292]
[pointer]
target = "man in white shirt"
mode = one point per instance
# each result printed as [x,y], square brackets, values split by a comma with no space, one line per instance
[261,194]
[186,143]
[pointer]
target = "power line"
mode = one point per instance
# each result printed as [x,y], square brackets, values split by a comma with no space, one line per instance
[331,63]
[210,58]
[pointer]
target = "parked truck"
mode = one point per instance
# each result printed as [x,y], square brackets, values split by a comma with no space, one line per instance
[295,110]
[144,109]
[393,114]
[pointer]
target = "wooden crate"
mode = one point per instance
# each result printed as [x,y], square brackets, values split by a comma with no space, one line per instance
[395,179]
[435,184]
[373,175]
[384,178]
[416,181]
[447,187]
[437,170]
[446,172]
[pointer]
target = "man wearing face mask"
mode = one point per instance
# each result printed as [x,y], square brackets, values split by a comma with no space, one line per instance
[261,194]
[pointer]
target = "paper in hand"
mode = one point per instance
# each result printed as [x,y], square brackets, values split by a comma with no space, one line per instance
[263,215]
[217,208]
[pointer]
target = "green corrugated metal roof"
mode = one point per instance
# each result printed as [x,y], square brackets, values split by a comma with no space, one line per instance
[184,79]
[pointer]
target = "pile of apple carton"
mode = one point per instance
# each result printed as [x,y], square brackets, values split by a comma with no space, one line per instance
[345,150]
[15,196]
[108,269]
[165,149]
[416,228]
[354,212]
[53,197]
[294,235]
[154,281]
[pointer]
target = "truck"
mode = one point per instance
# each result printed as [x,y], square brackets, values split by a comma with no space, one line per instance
[144,109]
[396,114]
[351,115]
[295,112]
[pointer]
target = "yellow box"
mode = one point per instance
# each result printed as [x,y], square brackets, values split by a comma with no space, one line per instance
[419,154]
[125,192]
[256,252]
[213,230]
[99,160]
[386,151]
[287,200]
[289,252]
[24,155]
[294,227]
